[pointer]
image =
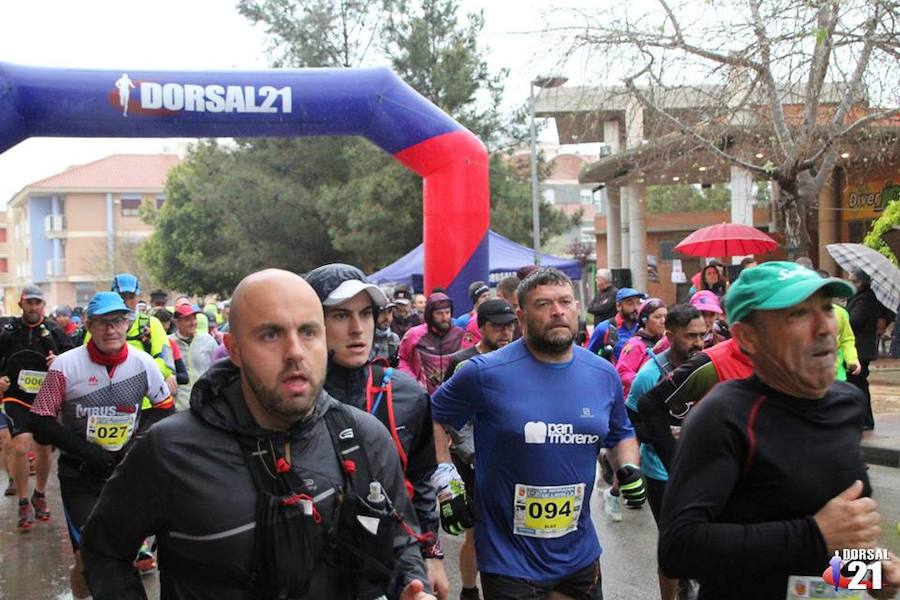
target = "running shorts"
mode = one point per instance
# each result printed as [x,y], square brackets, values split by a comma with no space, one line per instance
[585,584]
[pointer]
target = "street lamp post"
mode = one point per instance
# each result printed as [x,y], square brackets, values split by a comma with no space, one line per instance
[540,82]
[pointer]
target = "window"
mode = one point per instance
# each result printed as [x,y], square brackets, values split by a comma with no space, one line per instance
[858,230]
[4,265]
[131,207]
[586,196]
[2,234]
[160,200]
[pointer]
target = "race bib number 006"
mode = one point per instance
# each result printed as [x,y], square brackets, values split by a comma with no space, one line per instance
[110,432]
[547,511]
[31,381]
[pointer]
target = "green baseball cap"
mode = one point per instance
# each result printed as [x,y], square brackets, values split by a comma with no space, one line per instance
[776,285]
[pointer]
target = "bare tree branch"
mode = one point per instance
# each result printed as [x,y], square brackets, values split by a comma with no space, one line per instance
[862,64]
[704,141]
[782,132]
[821,58]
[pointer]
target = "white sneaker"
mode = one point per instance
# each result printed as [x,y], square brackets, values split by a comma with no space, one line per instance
[612,506]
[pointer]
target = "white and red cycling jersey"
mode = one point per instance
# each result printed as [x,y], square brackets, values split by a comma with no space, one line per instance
[101,404]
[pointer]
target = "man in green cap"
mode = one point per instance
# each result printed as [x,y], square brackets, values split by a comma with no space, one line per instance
[768,480]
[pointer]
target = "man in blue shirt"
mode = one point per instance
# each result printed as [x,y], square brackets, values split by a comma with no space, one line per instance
[610,336]
[542,409]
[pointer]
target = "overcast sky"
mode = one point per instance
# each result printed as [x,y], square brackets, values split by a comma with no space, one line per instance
[199,34]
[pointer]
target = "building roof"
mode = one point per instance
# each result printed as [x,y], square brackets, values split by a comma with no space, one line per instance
[119,172]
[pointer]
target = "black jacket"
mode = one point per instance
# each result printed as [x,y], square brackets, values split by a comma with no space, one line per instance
[17,338]
[187,482]
[412,417]
[865,310]
[603,306]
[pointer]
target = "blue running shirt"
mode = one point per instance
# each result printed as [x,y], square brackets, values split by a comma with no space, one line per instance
[538,430]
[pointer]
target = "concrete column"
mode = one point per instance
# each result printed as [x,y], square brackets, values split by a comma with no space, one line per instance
[829,223]
[611,135]
[625,210]
[741,185]
[613,228]
[634,123]
[637,216]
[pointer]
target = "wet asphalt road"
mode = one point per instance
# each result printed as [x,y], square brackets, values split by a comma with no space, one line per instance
[34,566]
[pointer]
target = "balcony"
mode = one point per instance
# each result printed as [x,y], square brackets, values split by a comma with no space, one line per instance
[56,267]
[55,226]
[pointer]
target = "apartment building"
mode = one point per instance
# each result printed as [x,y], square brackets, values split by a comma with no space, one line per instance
[73,230]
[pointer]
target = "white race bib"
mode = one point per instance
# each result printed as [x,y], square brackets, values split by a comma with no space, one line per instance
[547,511]
[31,381]
[110,432]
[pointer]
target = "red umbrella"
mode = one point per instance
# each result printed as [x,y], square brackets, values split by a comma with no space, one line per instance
[726,239]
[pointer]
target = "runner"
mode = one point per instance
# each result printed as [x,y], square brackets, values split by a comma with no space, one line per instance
[610,336]
[28,346]
[351,306]
[496,321]
[768,481]
[243,489]
[542,409]
[90,408]
[685,330]
[425,350]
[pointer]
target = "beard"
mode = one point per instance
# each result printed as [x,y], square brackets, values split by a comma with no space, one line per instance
[292,408]
[552,342]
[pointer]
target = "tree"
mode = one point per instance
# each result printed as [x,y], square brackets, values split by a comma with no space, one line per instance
[888,221]
[789,81]
[301,202]
[686,198]
[227,215]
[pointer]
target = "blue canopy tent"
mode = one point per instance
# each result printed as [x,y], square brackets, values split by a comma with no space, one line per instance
[506,257]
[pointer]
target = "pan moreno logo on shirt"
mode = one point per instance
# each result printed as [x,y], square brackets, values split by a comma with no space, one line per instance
[539,432]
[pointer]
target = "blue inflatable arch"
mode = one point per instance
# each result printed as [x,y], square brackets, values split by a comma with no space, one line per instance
[372,103]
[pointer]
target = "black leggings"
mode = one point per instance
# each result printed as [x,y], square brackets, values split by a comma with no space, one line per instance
[655,491]
[862,382]
[79,495]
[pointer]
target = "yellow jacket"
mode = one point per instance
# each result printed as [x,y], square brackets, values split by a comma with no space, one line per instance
[846,343]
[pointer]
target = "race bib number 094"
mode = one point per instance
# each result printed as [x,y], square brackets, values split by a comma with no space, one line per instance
[547,511]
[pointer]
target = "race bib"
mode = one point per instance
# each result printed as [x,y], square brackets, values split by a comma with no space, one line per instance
[547,511]
[805,587]
[110,432]
[31,381]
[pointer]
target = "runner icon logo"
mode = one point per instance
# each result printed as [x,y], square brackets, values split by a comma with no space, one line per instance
[538,432]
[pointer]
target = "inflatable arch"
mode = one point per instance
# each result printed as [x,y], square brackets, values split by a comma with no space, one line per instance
[372,103]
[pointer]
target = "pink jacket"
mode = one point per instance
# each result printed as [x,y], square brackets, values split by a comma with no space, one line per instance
[633,356]
[472,335]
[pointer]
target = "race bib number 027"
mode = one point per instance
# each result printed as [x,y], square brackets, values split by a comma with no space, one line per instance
[110,432]
[547,511]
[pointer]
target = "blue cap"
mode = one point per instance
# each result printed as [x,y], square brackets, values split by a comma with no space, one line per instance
[126,283]
[625,293]
[106,302]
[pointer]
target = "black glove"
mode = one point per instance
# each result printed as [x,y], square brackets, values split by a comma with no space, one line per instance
[632,486]
[97,460]
[455,513]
